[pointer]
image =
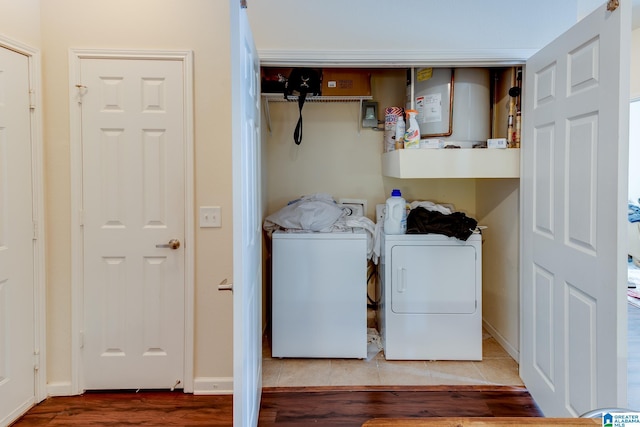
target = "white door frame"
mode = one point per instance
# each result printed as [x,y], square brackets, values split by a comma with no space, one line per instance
[77,276]
[39,265]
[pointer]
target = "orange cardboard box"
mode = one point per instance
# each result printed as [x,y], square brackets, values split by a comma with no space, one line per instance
[346,82]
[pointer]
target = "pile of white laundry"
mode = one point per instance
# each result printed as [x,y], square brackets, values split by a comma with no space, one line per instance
[319,212]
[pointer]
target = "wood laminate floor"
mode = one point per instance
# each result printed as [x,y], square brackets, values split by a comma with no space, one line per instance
[283,407]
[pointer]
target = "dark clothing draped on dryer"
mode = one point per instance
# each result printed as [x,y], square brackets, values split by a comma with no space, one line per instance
[455,224]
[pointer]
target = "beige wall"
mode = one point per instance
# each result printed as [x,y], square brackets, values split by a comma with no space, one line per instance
[334,158]
[497,202]
[198,25]
[302,26]
[20,21]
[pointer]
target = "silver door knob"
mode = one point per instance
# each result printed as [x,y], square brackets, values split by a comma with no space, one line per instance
[173,244]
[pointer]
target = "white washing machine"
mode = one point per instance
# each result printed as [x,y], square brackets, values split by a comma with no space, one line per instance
[431,297]
[319,294]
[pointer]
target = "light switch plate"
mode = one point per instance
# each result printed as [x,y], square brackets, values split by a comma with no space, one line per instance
[210,216]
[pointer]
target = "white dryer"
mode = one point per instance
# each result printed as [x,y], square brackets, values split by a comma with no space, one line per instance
[431,297]
[319,300]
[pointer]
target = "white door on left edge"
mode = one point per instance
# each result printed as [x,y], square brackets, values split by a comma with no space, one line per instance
[133,197]
[17,343]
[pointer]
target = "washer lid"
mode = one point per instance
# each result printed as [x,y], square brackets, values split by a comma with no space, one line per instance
[350,233]
[475,237]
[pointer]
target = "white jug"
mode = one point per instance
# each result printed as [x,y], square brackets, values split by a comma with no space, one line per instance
[395,218]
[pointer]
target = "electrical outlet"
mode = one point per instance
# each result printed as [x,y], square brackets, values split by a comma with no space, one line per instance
[380,210]
[210,216]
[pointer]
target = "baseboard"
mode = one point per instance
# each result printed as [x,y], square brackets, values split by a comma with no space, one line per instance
[513,352]
[213,385]
[202,386]
[62,388]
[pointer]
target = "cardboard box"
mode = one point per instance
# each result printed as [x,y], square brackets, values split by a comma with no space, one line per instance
[346,82]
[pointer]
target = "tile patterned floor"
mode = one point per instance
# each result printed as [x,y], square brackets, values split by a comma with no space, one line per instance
[496,368]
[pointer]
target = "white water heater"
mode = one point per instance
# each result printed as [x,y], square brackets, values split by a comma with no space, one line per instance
[461,116]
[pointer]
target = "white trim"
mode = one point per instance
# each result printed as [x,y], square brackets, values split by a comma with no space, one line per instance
[213,385]
[513,352]
[39,253]
[18,412]
[62,388]
[77,246]
[394,58]
[77,296]
[189,196]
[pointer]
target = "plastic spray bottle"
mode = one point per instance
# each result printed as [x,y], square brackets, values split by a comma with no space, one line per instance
[412,134]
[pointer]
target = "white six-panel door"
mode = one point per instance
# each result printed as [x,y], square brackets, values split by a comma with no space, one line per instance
[17,340]
[247,222]
[574,174]
[133,207]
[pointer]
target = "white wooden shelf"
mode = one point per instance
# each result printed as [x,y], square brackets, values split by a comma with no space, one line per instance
[452,163]
[278,97]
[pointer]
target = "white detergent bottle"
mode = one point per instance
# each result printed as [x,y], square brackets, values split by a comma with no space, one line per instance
[395,218]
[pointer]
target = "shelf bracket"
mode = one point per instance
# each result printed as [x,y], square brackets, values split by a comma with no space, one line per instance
[360,116]
[267,114]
